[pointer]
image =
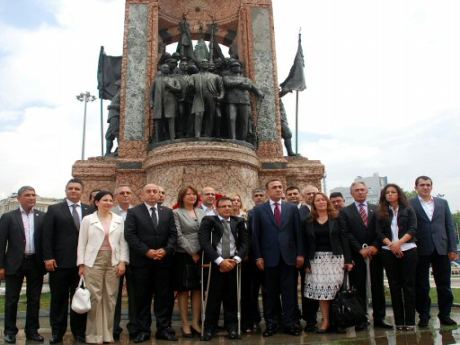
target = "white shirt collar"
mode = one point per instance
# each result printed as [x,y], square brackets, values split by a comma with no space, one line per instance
[423,201]
[359,203]
[24,211]
[150,206]
[275,202]
[70,203]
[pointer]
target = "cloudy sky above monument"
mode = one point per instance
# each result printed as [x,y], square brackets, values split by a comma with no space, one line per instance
[383,86]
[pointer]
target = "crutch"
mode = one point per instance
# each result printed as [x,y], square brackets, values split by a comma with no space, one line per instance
[238,296]
[204,295]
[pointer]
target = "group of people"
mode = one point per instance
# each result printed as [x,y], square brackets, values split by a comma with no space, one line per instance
[230,254]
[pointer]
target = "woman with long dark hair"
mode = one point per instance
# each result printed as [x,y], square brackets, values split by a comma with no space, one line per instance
[328,253]
[396,228]
[188,217]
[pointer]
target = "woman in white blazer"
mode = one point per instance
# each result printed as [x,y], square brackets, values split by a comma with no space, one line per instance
[101,256]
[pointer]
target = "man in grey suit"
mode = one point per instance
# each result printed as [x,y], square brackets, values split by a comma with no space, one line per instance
[436,245]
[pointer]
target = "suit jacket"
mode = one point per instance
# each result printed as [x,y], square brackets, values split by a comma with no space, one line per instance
[13,240]
[213,225]
[60,235]
[356,232]
[438,234]
[187,230]
[272,242]
[304,213]
[338,240]
[142,235]
[92,235]
[407,224]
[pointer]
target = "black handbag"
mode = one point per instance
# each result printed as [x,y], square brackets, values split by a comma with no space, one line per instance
[346,308]
[191,277]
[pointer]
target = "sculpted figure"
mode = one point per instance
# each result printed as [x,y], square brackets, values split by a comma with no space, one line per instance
[237,89]
[164,102]
[208,89]
[183,106]
[113,119]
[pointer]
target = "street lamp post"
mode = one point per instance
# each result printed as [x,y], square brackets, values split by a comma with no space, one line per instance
[84,97]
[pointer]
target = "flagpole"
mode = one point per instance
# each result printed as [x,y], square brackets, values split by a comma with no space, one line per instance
[297,122]
[101,53]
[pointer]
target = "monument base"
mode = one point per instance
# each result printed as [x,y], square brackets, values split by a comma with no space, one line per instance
[227,165]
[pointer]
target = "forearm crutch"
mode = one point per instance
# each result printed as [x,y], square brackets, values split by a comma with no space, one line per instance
[368,280]
[238,296]
[204,294]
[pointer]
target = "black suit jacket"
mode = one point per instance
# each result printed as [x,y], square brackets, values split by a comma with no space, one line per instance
[304,213]
[356,232]
[407,224]
[13,240]
[212,225]
[60,235]
[339,242]
[438,233]
[142,235]
[272,242]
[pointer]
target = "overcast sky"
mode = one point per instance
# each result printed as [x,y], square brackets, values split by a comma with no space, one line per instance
[383,87]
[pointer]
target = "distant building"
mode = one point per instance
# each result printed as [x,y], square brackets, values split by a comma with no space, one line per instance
[11,203]
[375,183]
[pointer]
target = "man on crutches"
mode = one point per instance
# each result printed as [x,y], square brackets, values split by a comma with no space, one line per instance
[225,242]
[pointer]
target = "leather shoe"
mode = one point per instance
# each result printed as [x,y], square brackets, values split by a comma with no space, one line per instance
[80,339]
[166,334]
[361,327]
[382,324]
[269,331]
[116,336]
[310,328]
[447,321]
[10,338]
[207,335]
[423,323]
[233,334]
[293,330]
[55,339]
[35,337]
[141,337]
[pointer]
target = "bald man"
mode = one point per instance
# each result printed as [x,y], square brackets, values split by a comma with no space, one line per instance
[151,235]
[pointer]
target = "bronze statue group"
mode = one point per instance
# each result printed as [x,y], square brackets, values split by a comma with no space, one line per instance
[207,251]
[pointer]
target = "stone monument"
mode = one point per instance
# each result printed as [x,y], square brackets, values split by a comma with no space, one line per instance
[231,166]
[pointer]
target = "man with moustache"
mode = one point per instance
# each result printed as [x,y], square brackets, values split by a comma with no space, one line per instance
[337,200]
[20,257]
[151,234]
[60,238]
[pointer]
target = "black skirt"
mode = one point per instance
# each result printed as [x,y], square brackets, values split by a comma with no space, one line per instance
[187,274]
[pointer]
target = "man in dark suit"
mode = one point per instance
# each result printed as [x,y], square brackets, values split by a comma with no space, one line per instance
[60,238]
[20,257]
[358,222]
[436,246]
[151,235]
[278,249]
[225,243]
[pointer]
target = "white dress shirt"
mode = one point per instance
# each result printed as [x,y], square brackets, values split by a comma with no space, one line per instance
[149,208]
[272,205]
[395,232]
[29,229]
[232,245]
[78,208]
[428,207]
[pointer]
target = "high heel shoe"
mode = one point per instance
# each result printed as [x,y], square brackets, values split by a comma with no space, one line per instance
[187,335]
[194,331]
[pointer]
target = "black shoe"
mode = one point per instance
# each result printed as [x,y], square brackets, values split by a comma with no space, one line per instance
[80,339]
[141,337]
[116,336]
[35,337]
[166,334]
[382,324]
[185,334]
[55,339]
[447,321]
[293,330]
[310,328]
[207,335]
[233,334]
[361,327]
[423,323]
[194,331]
[269,331]
[10,338]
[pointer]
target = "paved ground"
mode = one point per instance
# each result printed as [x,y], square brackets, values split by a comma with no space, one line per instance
[432,335]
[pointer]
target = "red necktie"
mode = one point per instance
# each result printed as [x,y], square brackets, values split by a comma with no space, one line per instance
[363,214]
[277,214]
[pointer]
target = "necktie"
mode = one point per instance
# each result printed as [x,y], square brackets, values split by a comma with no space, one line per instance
[277,214]
[226,240]
[75,216]
[363,214]
[154,216]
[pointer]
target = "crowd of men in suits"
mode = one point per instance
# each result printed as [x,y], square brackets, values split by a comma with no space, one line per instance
[268,245]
